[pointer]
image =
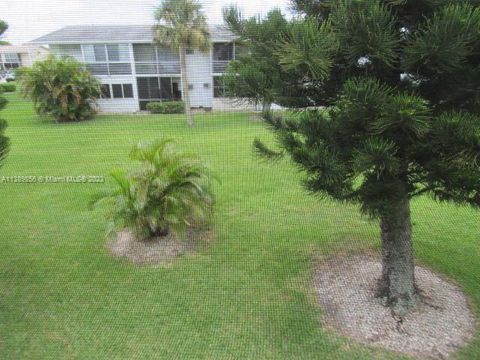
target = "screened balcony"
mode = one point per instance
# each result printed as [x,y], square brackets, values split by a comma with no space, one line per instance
[100,59]
[223,53]
[155,60]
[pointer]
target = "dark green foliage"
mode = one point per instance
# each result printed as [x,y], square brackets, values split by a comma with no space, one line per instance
[169,192]
[404,120]
[3,27]
[4,141]
[61,88]
[8,87]
[258,75]
[401,88]
[166,107]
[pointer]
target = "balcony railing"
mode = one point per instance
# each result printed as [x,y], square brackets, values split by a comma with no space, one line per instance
[110,68]
[219,66]
[164,67]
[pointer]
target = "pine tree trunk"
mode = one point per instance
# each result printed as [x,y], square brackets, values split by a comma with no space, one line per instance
[397,284]
[185,91]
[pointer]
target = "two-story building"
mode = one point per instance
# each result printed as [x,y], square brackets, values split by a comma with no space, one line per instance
[135,71]
[15,56]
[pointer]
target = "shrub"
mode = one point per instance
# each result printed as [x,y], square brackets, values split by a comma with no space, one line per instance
[8,87]
[61,88]
[169,192]
[166,107]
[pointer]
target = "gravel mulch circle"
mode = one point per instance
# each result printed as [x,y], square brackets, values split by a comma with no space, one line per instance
[156,251]
[440,324]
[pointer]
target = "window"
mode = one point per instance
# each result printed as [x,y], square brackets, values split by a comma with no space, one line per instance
[150,59]
[117,91]
[122,91]
[190,86]
[10,61]
[144,53]
[12,58]
[218,87]
[118,52]
[223,51]
[127,91]
[206,86]
[105,89]
[99,52]
[110,59]
[189,51]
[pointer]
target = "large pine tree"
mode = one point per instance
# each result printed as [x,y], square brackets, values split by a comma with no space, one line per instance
[396,96]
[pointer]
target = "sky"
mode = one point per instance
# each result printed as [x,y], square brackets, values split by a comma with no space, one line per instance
[30,19]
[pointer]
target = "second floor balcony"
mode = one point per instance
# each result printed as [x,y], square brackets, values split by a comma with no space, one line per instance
[154,68]
[222,54]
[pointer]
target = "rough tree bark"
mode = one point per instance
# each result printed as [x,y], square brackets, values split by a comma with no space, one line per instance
[185,91]
[397,284]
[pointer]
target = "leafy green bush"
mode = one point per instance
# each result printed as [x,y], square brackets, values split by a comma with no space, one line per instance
[61,88]
[170,192]
[166,107]
[8,87]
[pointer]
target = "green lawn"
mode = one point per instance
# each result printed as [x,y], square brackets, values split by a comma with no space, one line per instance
[245,296]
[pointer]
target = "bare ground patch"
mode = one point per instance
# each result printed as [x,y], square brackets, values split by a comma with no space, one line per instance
[156,251]
[441,323]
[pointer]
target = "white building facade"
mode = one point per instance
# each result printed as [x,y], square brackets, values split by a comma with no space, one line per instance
[134,71]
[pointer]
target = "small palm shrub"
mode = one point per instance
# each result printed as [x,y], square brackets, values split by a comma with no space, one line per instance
[61,88]
[166,107]
[169,192]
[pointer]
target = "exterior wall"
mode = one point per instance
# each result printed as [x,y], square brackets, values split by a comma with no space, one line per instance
[123,105]
[117,105]
[199,70]
[27,59]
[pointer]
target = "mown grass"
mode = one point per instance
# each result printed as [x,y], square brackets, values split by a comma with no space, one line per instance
[245,296]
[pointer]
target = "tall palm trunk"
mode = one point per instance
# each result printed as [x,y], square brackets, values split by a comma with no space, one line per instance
[185,90]
[397,284]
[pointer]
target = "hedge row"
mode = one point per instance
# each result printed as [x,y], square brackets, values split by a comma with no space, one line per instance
[166,107]
[8,87]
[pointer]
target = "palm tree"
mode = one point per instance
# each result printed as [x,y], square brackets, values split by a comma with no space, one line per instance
[61,88]
[181,26]
[170,192]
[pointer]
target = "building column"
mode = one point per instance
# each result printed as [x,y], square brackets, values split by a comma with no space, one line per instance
[134,75]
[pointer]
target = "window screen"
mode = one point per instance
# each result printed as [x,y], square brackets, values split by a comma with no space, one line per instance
[99,52]
[118,52]
[127,91]
[117,91]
